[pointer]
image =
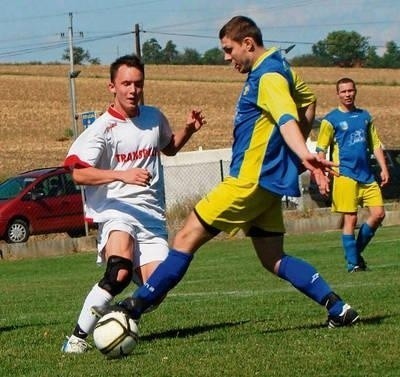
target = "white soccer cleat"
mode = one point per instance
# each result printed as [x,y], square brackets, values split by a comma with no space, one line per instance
[73,344]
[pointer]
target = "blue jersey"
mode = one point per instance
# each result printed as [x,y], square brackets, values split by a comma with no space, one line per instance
[270,97]
[353,138]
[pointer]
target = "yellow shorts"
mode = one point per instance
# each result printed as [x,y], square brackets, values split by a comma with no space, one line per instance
[235,204]
[348,194]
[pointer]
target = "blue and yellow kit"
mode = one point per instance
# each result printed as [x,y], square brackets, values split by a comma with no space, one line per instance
[270,97]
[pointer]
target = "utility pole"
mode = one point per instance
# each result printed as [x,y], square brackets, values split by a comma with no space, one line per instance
[72,76]
[137,41]
[138,54]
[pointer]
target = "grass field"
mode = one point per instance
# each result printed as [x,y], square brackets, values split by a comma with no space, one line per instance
[35,109]
[227,317]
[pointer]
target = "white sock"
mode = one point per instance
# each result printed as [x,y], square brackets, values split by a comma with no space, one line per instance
[96,297]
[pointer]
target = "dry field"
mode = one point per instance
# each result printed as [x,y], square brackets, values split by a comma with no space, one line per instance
[35,109]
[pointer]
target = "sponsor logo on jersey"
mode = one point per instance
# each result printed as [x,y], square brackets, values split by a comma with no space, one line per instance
[136,155]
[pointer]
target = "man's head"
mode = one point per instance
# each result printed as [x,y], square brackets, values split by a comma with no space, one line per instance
[129,61]
[126,84]
[241,41]
[346,91]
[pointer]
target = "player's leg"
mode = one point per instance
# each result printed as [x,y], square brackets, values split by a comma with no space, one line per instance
[152,249]
[302,275]
[345,196]
[372,198]
[169,272]
[116,246]
[216,212]
[349,242]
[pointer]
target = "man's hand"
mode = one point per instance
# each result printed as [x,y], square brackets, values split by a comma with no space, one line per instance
[195,120]
[135,176]
[384,178]
[320,170]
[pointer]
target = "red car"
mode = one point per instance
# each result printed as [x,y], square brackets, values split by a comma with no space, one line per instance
[40,201]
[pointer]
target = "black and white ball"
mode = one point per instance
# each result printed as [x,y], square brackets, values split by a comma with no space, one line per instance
[116,335]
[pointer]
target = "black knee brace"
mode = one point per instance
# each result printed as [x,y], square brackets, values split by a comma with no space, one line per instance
[109,281]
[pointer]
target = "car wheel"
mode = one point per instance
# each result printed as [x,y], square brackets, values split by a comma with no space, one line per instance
[18,231]
[76,233]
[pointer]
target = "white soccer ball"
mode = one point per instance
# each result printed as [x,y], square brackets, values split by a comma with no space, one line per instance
[116,335]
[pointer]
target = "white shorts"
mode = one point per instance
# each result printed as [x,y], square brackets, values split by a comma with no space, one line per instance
[149,246]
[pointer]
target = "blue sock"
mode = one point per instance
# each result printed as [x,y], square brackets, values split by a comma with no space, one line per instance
[305,278]
[350,249]
[365,235]
[165,277]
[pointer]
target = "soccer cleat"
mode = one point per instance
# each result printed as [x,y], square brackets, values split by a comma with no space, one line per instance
[126,306]
[73,344]
[359,267]
[347,317]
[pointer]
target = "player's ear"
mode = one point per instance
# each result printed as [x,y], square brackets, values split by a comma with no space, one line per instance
[249,44]
[111,87]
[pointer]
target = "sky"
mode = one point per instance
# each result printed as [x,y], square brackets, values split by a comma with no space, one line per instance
[38,30]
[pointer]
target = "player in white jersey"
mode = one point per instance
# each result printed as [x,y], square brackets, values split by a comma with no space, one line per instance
[118,160]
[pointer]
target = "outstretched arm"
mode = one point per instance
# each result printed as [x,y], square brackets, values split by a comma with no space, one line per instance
[194,122]
[315,164]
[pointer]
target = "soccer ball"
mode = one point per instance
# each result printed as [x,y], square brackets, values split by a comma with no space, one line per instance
[116,335]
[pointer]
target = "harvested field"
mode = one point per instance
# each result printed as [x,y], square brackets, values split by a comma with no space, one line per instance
[35,110]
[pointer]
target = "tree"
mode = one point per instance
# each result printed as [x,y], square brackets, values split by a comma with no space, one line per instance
[309,60]
[80,56]
[169,53]
[151,51]
[190,56]
[372,59]
[343,48]
[391,58]
[214,56]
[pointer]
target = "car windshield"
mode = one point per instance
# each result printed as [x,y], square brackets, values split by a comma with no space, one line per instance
[12,187]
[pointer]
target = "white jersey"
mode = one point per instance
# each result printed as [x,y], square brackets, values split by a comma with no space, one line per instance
[113,142]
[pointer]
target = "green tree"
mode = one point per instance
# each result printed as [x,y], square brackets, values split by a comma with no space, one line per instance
[151,52]
[372,59]
[343,48]
[391,57]
[80,55]
[214,56]
[309,60]
[169,53]
[190,56]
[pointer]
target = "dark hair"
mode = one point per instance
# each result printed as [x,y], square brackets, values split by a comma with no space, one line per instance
[240,27]
[345,80]
[128,60]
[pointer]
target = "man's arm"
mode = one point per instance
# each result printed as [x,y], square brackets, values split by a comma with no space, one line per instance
[306,118]
[380,157]
[91,176]
[194,122]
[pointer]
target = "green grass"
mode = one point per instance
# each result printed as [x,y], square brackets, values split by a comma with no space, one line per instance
[227,317]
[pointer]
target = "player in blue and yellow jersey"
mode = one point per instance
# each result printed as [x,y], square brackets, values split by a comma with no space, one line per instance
[268,151]
[353,137]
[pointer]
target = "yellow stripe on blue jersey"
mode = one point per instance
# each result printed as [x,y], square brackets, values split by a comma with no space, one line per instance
[353,137]
[270,97]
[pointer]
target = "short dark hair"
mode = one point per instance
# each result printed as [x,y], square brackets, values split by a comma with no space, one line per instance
[240,27]
[128,60]
[345,80]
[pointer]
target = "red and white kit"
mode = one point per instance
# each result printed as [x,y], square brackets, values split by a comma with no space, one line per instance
[115,143]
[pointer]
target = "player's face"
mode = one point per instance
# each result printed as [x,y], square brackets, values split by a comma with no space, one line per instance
[237,54]
[347,94]
[127,89]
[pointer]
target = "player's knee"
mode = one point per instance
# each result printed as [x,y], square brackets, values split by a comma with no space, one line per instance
[117,276]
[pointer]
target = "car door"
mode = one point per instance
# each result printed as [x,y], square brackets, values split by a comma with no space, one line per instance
[57,207]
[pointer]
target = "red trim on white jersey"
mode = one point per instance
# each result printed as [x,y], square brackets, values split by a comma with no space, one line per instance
[121,144]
